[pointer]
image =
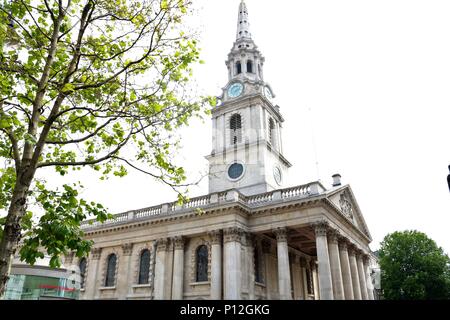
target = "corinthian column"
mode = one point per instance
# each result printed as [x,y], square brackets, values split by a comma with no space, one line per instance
[216,264]
[345,266]
[160,269]
[368,279]
[362,277]
[325,281]
[284,273]
[354,272]
[178,268]
[338,288]
[232,256]
[92,274]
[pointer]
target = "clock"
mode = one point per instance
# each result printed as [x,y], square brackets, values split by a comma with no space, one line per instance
[278,176]
[268,93]
[235,90]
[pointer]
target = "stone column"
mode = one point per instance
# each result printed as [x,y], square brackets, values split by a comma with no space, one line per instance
[90,286]
[250,244]
[362,277]
[297,279]
[354,273]
[216,264]
[325,281]
[335,263]
[345,267]
[315,280]
[232,257]
[284,273]
[160,269]
[123,277]
[368,278]
[178,268]
[303,263]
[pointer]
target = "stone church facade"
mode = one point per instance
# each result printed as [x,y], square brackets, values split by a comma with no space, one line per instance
[251,237]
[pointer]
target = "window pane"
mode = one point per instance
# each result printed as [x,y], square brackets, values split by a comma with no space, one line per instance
[111,271]
[144,268]
[82,271]
[202,263]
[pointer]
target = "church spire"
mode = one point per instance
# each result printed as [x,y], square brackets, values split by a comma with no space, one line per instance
[243,27]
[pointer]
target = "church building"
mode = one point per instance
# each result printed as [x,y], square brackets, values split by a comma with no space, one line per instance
[250,237]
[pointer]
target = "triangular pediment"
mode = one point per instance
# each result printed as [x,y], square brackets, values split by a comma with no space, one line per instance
[344,199]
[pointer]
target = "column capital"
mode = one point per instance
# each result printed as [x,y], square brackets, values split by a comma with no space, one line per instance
[343,242]
[321,227]
[312,264]
[266,246]
[127,249]
[216,236]
[95,253]
[178,241]
[333,235]
[232,234]
[366,258]
[162,244]
[281,234]
[351,249]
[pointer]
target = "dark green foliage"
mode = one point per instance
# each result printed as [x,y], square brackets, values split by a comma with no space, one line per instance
[413,267]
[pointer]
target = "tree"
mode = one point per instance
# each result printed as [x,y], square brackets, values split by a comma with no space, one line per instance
[413,267]
[94,84]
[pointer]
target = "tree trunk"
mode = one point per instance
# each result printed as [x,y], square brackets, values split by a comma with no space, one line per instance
[12,230]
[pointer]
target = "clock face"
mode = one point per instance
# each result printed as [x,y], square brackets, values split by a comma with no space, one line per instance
[235,90]
[268,93]
[277,175]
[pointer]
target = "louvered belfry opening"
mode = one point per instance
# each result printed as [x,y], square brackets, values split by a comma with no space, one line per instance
[272,131]
[236,129]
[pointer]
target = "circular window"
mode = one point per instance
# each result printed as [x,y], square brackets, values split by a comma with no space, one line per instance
[235,171]
[277,175]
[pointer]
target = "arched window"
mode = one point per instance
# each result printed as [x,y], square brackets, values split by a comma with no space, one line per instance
[258,269]
[82,266]
[249,66]
[236,128]
[272,136]
[144,267]
[202,263]
[238,67]
[111,271]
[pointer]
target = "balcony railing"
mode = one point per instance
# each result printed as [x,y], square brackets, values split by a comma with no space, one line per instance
[213,199]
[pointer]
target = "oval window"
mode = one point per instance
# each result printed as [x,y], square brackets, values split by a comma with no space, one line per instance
[235,171]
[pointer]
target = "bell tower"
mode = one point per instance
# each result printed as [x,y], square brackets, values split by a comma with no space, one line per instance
[247,149]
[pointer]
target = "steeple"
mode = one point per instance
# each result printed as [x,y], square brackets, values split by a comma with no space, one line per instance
[243,27]
[247,149]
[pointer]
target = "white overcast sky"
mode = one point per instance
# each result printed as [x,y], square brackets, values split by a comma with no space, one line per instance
[368,81]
